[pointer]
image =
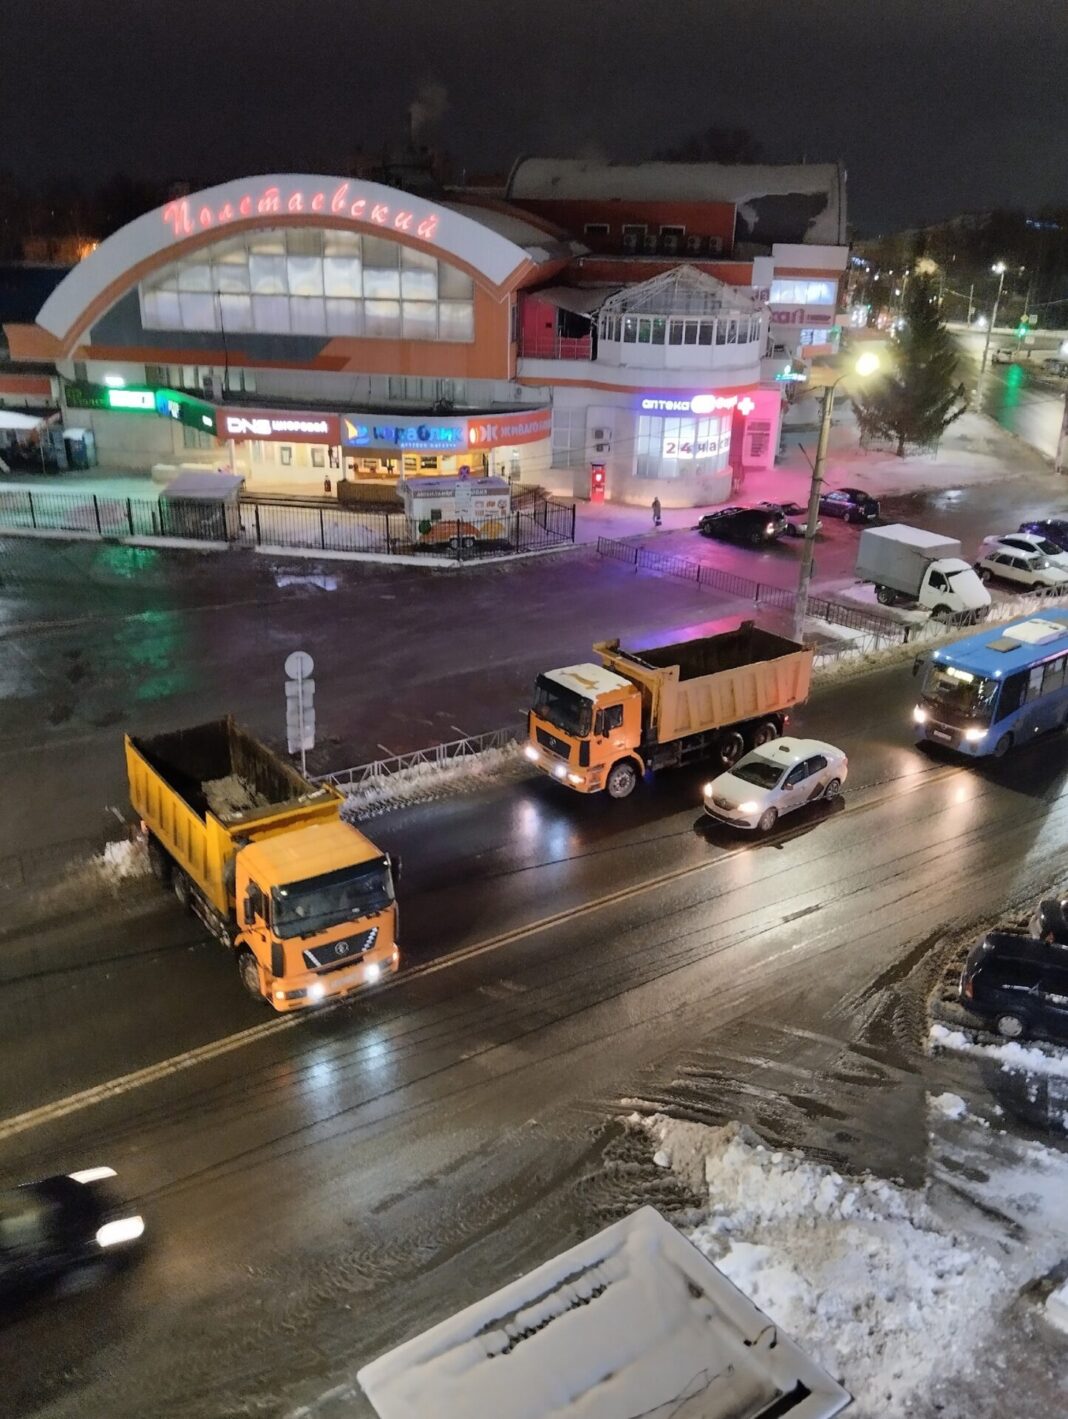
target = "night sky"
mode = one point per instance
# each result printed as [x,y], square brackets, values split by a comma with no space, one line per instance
[935,106]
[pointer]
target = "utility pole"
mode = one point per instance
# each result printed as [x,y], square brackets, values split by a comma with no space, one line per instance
[971,293]
[999,269]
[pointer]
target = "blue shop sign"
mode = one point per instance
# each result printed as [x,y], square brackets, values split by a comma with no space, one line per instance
[413,433]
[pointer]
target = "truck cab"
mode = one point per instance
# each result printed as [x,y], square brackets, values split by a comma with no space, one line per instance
[316,913]
[584,722]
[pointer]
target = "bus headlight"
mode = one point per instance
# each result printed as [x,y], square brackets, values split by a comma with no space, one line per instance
[974,735]
[919,715]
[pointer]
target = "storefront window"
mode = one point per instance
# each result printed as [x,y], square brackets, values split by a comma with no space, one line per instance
[630,329]
[682,447]
[658,331]
[275,283]
[803,292]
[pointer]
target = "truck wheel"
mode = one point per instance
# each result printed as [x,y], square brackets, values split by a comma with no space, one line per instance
[183,889]
[764,733]
[622,778]
[941,613]
[158,861]
[731,748]
[884,596]
[249,971]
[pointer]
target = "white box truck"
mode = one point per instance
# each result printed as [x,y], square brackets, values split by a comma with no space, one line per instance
[910,567]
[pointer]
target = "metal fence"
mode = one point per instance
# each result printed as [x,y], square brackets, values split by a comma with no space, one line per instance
[438,756]
[542,523]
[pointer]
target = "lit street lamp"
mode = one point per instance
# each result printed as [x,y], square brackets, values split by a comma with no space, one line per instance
[866,365]
[999,270]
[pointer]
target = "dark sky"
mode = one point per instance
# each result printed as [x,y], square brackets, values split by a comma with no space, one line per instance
[935,106]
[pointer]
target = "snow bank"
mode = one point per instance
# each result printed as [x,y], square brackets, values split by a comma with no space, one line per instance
[1057,1308]
[423,783]
[860,1271]
[122,860]
[1028,1059]
[950,1106]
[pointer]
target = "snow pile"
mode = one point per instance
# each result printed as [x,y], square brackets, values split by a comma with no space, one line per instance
[1028,1059]
[950,1106]
[1057,1308]
[860,1272]
[423,783]
[122,860]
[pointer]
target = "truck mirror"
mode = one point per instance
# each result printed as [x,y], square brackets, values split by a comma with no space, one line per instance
[250,907]
[395,863]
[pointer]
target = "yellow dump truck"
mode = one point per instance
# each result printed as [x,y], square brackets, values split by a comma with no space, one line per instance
[597,727]
[263,858]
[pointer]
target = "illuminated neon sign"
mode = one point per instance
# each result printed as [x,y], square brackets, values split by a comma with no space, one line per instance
[140,399]
[412,433]
[281,425]
[185,219]
[698,404]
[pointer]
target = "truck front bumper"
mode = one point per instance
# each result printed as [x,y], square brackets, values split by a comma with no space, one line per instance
[581,780]
[309,988]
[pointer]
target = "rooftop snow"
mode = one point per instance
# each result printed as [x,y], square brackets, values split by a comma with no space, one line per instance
[681,291]
[633,1321]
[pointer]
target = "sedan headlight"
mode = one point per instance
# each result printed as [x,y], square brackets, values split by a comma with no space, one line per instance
[770,528]
[748,807]
[919,715]
[122,1230]
[707,790]
[974,734]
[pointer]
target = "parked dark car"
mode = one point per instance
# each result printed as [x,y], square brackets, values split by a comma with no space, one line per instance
[1050,921]
[752,525]
[1018,985]
[63,1230]
[1054,528]
[852,504]
[796,517]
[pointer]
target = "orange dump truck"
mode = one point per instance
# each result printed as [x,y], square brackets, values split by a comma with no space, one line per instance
[603,726]
[263,858]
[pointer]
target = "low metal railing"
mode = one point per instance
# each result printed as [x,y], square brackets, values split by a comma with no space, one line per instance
[437,756]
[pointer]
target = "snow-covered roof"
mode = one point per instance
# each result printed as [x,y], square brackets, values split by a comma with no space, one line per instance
[634,1321]
[213,485]
[681,291]
[578,179]
[539,244]
[588,680]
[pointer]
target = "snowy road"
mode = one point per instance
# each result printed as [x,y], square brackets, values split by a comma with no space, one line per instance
[328,1189]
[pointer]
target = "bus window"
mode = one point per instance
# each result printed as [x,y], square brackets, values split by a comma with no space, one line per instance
[1012,694]
[1034,683]
[1053,679]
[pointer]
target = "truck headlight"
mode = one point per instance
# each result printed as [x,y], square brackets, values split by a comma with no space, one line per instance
[531,753]
[316,990]
[372,971]
[974,734]
[560,771]
[574,778]
[919,715]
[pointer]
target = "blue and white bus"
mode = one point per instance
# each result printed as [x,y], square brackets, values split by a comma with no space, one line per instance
[996,689]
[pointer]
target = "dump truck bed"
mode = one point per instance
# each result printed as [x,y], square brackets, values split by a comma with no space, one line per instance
[206,790]
[714,681]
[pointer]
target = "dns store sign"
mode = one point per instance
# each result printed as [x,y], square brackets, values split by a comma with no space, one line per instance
[281,427]
[185,218]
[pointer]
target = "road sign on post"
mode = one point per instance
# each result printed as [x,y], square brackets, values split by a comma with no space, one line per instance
[300,705]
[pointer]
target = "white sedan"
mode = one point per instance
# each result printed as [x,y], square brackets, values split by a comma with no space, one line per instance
[1026,542]
[780,776]
[1029,569]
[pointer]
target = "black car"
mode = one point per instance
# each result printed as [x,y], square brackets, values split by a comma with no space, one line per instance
[1050,921]
[852,504]
[796,517]
[752,525]
[65,1229]
[1053,528]
[1018,985]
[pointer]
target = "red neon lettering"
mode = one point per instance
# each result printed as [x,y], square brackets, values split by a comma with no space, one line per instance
[317,202]
[176,215]
[245,206]
[227,213]
[356,210]
[337,202]
[379,212]
[403,221]
[296,202]
[427,227]
[270,201]
[206,217]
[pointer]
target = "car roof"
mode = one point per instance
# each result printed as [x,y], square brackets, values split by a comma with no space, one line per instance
[1024,948]
[789,750]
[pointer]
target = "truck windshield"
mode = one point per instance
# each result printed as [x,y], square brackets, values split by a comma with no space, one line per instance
[562,707]
[959,693]
[318,903]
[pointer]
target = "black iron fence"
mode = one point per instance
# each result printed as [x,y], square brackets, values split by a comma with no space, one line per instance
[539,525]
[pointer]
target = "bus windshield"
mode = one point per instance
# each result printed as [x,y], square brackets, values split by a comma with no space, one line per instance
[959,694]
[562,707]
[318,903]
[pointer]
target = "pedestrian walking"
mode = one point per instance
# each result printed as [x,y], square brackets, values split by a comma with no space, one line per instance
[656,512]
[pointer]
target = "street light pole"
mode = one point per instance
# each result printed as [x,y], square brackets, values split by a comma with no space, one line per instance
[999,267]
[805,579]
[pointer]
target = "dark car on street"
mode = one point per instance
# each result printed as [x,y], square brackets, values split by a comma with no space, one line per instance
[1055,529]
[851,504]
[751,525]
[1018,985]
[63,1231]
[795,515]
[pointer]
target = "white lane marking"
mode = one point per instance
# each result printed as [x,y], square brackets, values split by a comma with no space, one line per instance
[114,1088]
[60,1108]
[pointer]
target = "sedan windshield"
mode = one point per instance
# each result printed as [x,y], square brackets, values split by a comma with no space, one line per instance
[562,707]
[958,693]
[332,899]
[759,772]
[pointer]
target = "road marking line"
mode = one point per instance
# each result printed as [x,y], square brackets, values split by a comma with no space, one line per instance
[114,1088]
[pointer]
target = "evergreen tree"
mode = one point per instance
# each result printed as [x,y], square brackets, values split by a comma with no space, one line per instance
[919,397]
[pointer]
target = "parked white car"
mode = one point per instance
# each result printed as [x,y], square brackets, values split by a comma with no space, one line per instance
[1026,542]
[1027,569]
[780,776]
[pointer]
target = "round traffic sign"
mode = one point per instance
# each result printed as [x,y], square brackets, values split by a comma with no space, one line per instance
[299,665]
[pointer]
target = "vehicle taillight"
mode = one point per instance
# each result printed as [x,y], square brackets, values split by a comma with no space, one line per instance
[967,986]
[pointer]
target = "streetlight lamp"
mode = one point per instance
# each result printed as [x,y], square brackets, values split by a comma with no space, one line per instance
[866,365]
[999,269]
